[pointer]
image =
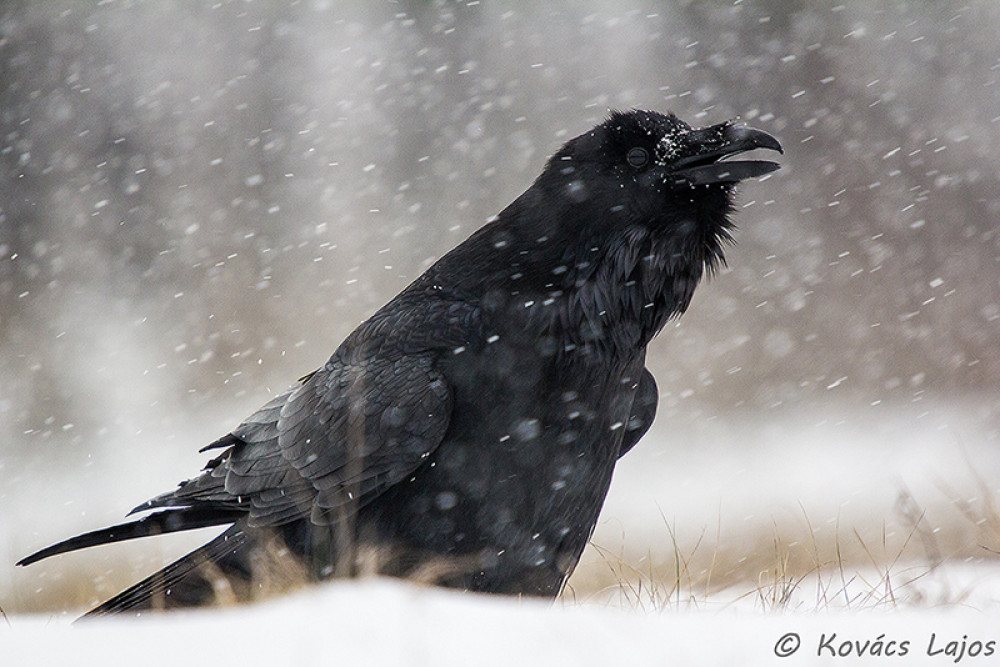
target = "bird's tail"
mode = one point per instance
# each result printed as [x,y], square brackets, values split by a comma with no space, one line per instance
[190,581]
[168,521]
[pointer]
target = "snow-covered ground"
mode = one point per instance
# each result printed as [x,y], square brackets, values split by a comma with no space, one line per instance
[721,535]
[379,622]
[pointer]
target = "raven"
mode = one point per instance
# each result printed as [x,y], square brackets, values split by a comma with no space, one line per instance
[467,432]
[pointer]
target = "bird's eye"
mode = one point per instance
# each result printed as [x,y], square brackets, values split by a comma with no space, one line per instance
[637,157]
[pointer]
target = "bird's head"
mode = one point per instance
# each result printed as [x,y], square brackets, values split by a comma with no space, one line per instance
[653,168]
[643,172]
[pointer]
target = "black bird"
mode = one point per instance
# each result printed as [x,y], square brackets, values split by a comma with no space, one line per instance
[467,432]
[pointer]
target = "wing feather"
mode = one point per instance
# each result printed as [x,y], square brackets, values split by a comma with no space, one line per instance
[348,431]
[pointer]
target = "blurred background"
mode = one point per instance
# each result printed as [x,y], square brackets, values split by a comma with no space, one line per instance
[199,201]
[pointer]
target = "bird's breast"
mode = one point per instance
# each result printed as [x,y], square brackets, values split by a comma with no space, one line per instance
[526,462]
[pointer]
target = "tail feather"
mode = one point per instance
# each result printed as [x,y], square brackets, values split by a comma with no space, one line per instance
[168,521]
[185,582]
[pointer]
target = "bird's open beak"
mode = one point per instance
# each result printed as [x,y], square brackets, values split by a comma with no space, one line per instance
[717,143]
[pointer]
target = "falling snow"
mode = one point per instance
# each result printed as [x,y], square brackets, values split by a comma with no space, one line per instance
[192,218]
